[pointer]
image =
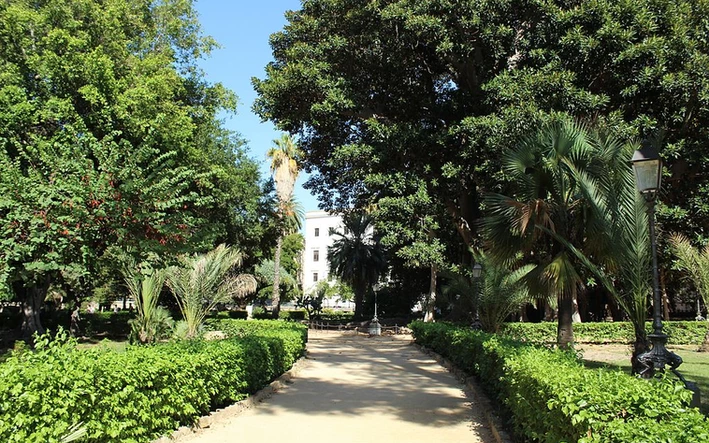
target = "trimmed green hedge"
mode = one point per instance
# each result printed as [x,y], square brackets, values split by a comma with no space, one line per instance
[136,395]
[334,316]
[297,315]
[551,397]
[680,332]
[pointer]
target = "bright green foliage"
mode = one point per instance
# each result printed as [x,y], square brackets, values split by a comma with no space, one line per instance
[680,332]
[202,281]
[265,272]
[498,293]
[151,322]
[110,143]
[551,397]
[136,395]
[694,261]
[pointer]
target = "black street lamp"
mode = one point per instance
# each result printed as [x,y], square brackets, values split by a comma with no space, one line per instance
[477,272]
[648,177]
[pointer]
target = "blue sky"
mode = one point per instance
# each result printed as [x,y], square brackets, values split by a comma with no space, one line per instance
[242,29]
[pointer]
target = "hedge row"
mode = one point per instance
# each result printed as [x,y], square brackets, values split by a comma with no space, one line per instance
[336,316]
[136,395]
[680,332]
[550,396]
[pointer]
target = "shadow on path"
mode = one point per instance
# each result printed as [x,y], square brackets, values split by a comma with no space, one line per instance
[356,388]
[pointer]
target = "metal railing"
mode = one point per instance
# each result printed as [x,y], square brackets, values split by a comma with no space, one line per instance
[327,326]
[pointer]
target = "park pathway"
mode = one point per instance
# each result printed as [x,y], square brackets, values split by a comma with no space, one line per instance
[359,389]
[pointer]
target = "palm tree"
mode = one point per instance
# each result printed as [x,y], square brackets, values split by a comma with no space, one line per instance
[265,273]
[547,213]
[285,168]
[696,263]
[624,248]
[152,322]
[357,257]
[499,292]
[205,280]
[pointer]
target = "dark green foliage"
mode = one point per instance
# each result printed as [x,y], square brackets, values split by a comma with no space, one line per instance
[357,256]
[282,315]
[551,397]
[394,93]
[138,394]
[680,332]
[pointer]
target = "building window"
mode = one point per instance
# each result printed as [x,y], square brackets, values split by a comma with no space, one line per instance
[316,255]
[331,232]
[315,276]
[317,232]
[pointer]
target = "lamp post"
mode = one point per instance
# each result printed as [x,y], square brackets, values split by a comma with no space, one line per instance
[477,272]
[648,177]
[374,327]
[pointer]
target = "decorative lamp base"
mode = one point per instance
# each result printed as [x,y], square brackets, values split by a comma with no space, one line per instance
[658,357]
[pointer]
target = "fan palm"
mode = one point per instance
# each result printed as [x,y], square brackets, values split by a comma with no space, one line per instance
[357,257]
[548,211]
[205,280]
[285,168]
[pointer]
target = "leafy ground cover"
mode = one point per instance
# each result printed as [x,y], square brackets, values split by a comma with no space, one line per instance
[695,367]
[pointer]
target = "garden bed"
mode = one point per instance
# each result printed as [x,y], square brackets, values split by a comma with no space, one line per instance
[140,392]
[550,396]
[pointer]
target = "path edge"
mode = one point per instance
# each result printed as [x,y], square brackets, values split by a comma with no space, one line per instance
[493,420]
[239,407]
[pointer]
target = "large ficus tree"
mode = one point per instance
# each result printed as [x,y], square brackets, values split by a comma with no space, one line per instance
[109,142]
[437,89]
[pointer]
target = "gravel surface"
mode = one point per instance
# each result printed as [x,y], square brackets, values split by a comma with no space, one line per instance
[358,389]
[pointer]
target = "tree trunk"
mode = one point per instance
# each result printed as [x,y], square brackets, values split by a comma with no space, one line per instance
[75,320]
[431,302]
[639,346]
[565,328]
[31,300]
[276,297]
[359,291]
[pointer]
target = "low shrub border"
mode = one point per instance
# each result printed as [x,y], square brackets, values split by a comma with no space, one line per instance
[138,394]
[680,332]
[550,397]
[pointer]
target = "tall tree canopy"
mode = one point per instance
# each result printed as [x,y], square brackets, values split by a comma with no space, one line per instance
[109,142]
[385,94]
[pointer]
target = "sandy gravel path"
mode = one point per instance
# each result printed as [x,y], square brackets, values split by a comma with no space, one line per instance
[359,389]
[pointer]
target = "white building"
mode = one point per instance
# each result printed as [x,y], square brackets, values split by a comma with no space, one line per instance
[319,227]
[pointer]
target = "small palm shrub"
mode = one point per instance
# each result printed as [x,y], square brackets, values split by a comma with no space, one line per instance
[152,322]
[205,280]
